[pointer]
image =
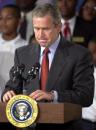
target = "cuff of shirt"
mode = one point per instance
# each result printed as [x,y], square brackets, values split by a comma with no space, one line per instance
[55,95]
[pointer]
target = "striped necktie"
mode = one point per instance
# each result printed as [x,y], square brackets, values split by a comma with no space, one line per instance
[67,31]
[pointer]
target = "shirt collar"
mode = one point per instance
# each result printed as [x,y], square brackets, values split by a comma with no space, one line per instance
[71,22]
[53,46]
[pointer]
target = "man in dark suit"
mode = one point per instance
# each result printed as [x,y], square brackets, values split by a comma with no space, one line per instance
[70,77]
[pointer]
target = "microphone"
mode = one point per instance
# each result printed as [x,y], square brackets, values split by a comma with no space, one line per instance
[16,72]
[32,73]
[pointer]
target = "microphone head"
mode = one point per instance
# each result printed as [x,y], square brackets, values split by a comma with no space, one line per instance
[21,68]
[32,73]
[16,72]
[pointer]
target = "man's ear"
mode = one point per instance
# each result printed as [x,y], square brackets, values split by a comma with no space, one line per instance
[59,27]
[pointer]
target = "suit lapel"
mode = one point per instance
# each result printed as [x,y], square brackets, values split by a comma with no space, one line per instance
[58,64]
[34,54]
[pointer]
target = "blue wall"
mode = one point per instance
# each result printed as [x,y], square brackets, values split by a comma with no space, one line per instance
[4,2]
[79,4]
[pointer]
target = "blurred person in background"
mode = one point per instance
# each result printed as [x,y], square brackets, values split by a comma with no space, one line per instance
[80,32]
[67,9]
[88,10]
[10,18]
[5,2]
[10,39]
[88,15]
[26,27]
[89,113]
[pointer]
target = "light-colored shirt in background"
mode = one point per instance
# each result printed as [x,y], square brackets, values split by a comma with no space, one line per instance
[89,113]
[29,30]
[7,50]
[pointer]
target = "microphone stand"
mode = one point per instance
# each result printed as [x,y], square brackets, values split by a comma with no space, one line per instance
[32,73]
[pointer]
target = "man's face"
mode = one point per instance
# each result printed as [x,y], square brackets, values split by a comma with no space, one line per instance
[45,31]
[89,11]
[67,7]
[8,21]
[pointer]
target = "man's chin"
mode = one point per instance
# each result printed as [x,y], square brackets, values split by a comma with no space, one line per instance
[43,44]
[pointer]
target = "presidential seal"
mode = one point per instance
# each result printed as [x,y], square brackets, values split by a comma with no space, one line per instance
[21,111]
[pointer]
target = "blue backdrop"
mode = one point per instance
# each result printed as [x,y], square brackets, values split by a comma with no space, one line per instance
[79,4]
[4,2]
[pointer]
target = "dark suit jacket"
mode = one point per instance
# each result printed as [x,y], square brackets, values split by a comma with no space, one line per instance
[71,73]
[84,31]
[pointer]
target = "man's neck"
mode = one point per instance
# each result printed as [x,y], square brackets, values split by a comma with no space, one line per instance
[68,17]
[8,37]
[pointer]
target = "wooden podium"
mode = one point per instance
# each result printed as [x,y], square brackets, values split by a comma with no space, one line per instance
[51,112]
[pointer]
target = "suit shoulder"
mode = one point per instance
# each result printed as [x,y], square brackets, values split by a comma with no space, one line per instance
[79,47]
[78,50]
[26,48]
[73,47]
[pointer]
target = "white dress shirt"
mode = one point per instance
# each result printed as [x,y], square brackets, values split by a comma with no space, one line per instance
[89,113]
[71,22]
[7,50]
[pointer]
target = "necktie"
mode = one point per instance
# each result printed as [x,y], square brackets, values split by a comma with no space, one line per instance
[44,69]
[23,27]
[67,31]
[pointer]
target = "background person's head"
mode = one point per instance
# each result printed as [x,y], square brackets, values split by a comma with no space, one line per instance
[67,8]
[88,10]
[10,18]
[26,5]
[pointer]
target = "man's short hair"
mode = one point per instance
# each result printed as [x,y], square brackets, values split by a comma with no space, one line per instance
[17,11]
